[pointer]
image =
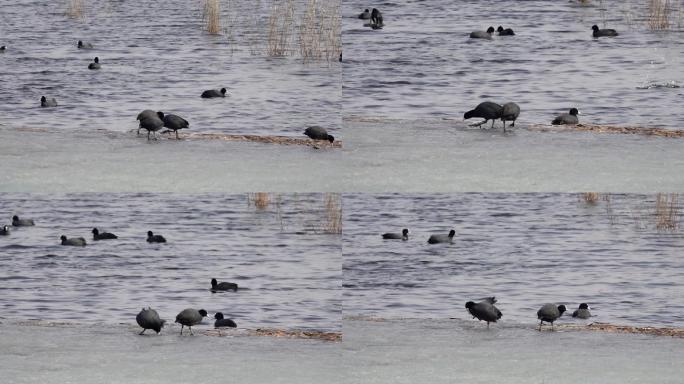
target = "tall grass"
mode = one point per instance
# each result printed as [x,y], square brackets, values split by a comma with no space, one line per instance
[76,9]
[211,16]
[319,31]
[260,200]
[590,197]
[667,212]
[308,29]
[659,14]
[281,26]
[333,213]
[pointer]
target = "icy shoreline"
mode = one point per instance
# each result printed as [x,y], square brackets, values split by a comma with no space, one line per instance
[65,353]
[447,351]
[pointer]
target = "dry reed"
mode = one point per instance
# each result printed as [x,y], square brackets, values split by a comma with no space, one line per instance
[659,15]
[319,32]
[260,200]
[333,213]
[281,25]
[610,212]
[667,214]
[211,16]
[590,197]
[76,9]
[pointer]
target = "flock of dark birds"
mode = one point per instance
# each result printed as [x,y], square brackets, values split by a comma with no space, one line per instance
[510,111]
[489,110]
[147,318]
[485,309]
[78,241]
[374,17]
[152,121]
[433,239]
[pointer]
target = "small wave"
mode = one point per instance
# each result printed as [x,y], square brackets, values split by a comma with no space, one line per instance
[16,246]
[656,85]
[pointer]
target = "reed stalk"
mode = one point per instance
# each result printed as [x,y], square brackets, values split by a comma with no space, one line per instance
[333,213]
[281,25]
[76,9]
[659,15]
[211,16]
[590,197]
[667,212]
[260,200]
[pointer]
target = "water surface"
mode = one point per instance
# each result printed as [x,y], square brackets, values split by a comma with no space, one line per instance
[525,249]
[156,57]
[286,265]
[422,64]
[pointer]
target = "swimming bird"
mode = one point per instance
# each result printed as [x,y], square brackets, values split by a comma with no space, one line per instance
[16,222]
[435,239]
[482,34]
[509,111]
[83,45]
[152,238]
[103,236]
[505,32]
[318,133]
[4,231]
[45,102]
[221,322]
[189,317]
[174,123]
[582,312]
[208,94]
[549,313]
[486,110]
[224,286]
[376,19]
[2,48]
[149,319]
[484,310]
[152,123]
[365,15]
[74,241]
[95,64]
[603,32]
[567,118]
[396,236]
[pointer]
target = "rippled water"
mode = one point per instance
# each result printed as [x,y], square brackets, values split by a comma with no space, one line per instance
[525,249]
[287,268]
[155,56]
[422,63]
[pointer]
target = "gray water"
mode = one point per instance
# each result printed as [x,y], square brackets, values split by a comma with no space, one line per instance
[525,249]
[286,265]
[423,64]
[154,57]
